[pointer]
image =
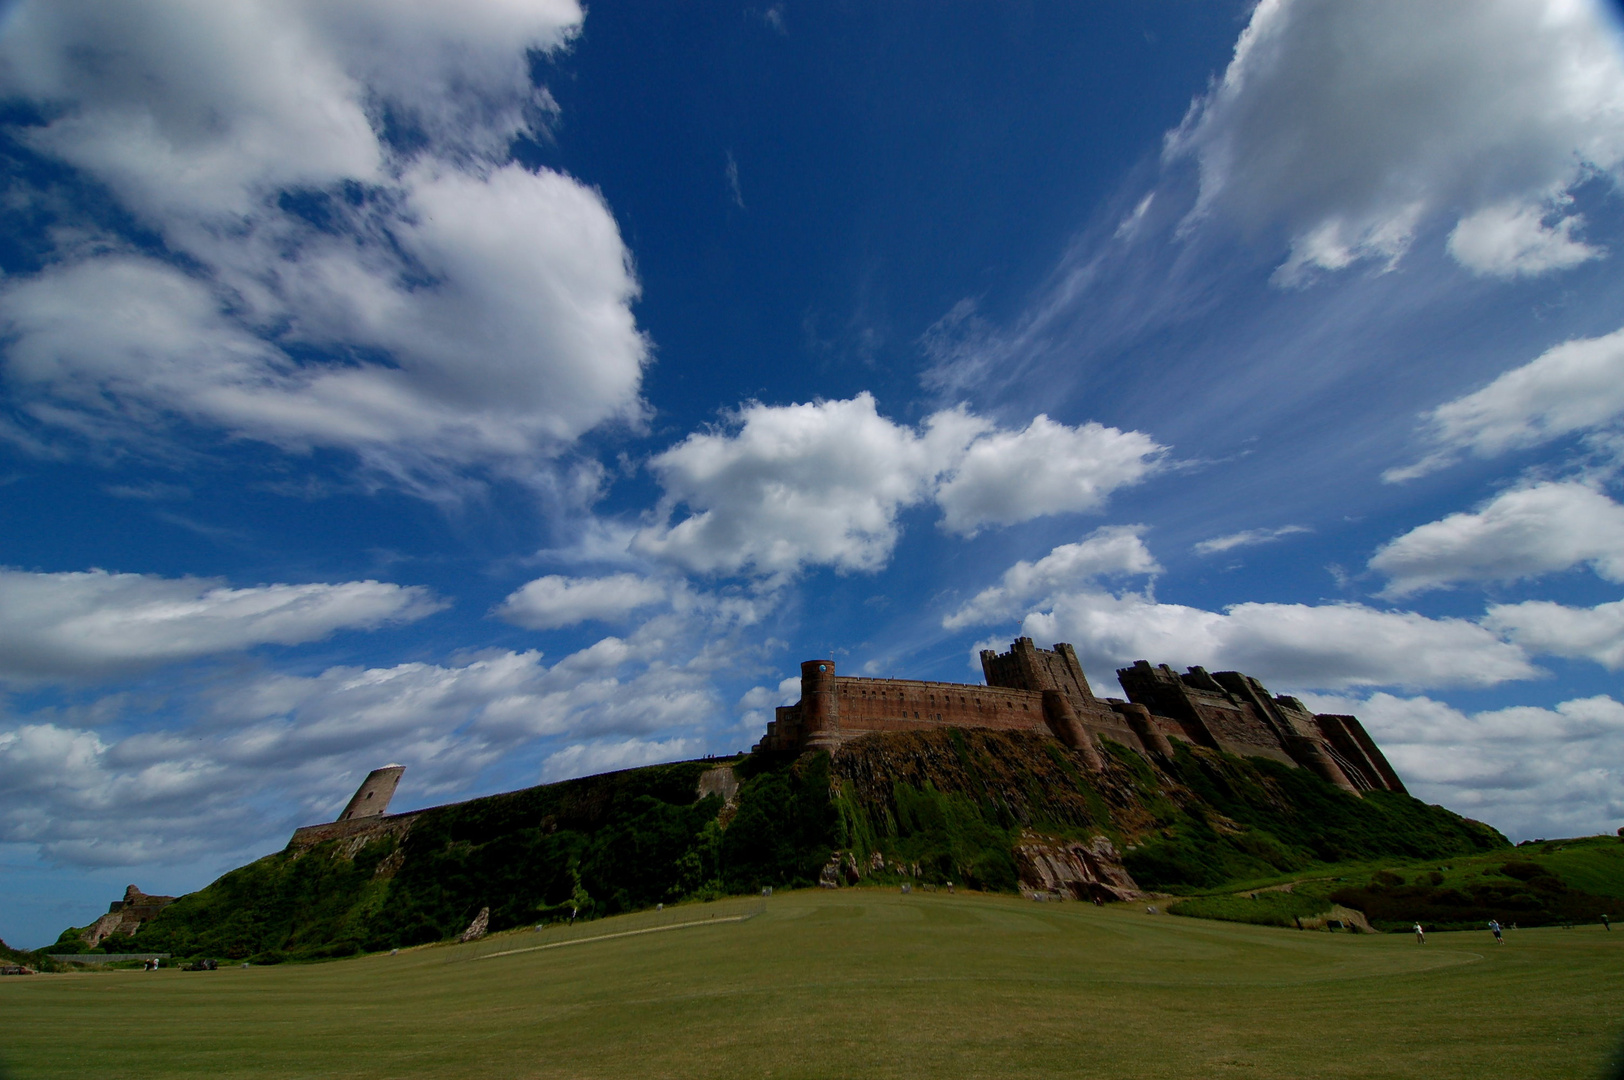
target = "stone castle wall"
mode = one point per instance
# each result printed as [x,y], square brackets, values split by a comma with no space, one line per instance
[1036,689]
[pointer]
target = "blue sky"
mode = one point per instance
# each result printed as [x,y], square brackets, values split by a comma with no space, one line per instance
[515,392]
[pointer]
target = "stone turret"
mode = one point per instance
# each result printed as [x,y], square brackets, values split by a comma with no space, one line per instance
[820,705]
[371,799]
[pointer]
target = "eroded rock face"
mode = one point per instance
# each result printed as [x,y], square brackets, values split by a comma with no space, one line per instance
[721,782]
[1091,871]
[477,928]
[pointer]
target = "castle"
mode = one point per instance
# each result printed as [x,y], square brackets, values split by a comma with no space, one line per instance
[1032,689]
[1028,689]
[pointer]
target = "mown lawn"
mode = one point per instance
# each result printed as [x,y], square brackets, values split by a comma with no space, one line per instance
[860,982]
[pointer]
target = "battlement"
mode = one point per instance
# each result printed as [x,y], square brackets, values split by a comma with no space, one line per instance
[1035,689]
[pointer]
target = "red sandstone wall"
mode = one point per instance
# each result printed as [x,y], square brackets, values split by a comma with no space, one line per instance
[905,704]
[1230,723]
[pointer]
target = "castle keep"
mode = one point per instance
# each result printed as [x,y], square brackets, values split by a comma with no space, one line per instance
[1034,689]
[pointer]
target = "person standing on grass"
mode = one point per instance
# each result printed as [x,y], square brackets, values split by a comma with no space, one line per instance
[1494,924]
[1420,935]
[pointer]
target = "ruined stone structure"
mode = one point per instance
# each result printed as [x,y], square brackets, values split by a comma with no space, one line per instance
[366,816]
[371,799]
[125,916]
[1034,689]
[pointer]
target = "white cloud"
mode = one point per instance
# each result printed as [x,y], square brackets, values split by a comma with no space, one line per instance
[588,759]
[186,107]
[823,483]
[1288,646]
[295,746]
[762,697]
[1527,771]
[1246,538]
[1112,551]
[445,308]
[1523,533]
[1571,387]
[1007,477]
[94,623]
[814,483]
[553,601]
[1513,240]
[1348,126]
[1551,629]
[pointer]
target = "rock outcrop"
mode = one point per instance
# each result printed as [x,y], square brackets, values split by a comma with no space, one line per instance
[125,916]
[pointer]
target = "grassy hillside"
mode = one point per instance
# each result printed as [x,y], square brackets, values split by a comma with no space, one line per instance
[1553,883]
[956,801]
[1549,883]
[860,982]
[922,806]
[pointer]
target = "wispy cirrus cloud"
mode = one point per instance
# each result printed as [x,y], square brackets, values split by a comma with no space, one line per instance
[1572,387]
[1246,538]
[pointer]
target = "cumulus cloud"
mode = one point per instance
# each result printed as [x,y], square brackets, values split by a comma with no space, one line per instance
[1523,533]
[1246,538]
[1113,551]
[1552,629]
[356,263]
[1531,772]
[1347,127]
[95,623]
[1005,477]
[553,601]
[1572,387]
[1289,646]
[823,483]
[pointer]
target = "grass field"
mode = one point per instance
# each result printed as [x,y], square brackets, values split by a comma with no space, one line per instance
[858,982]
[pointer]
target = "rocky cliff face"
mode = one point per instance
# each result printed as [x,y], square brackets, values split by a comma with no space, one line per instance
[1017,809]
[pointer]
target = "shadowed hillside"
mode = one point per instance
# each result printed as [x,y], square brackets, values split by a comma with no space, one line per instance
[977,808]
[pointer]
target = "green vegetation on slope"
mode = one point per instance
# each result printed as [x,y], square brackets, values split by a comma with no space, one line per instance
[1253,817]
[1272,908]
[860,982]
[934,806]
[1558,882]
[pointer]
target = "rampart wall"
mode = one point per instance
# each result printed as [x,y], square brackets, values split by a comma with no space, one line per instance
[899,704]
[1042,689]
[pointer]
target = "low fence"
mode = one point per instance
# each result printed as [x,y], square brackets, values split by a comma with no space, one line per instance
[105,958]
